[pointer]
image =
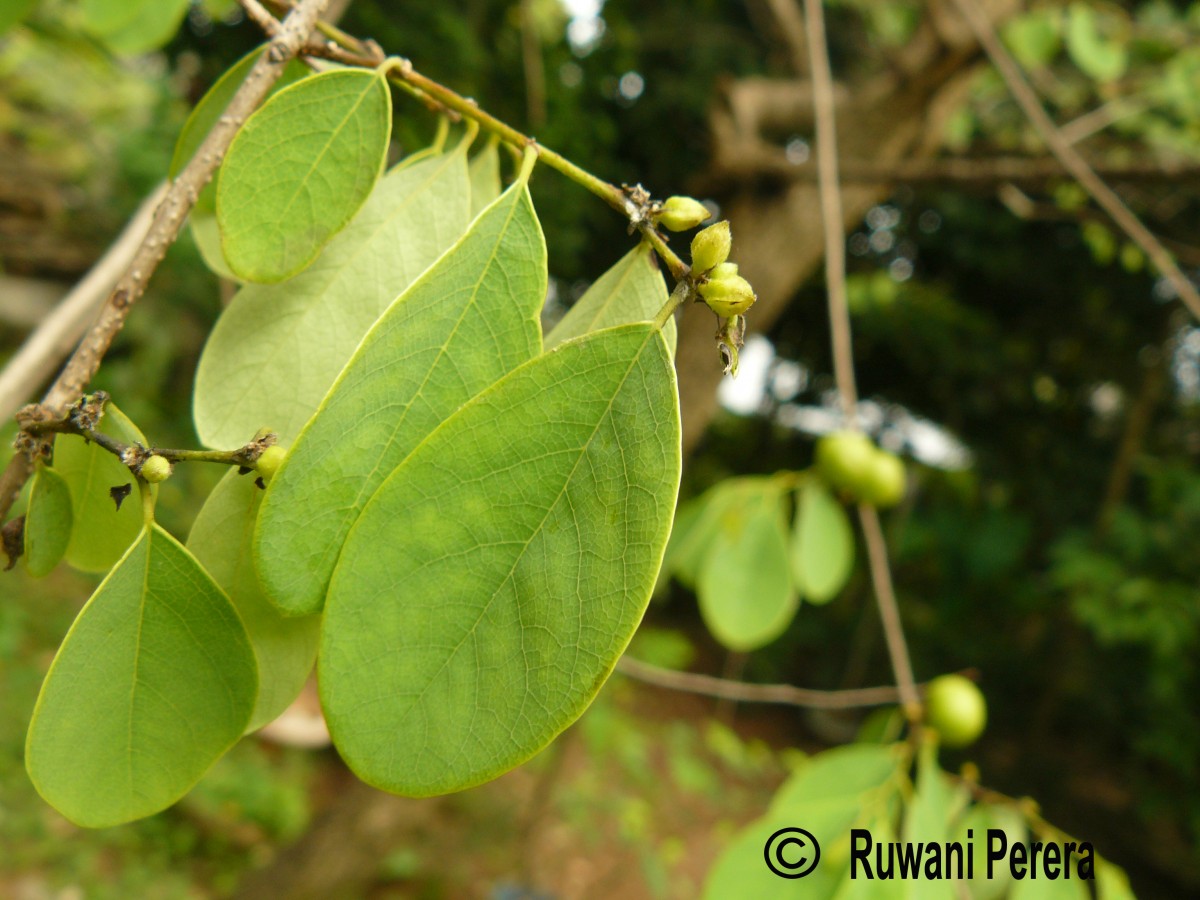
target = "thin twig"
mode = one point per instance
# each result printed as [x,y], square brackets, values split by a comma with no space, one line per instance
[43,351]
[843,353]
[889,610]
[771,161]
[1070,158]
[134,455]
[742,692]
[164,229]
[258,14]
[831,208]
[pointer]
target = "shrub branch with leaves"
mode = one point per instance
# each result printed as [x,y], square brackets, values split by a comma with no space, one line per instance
[458,520]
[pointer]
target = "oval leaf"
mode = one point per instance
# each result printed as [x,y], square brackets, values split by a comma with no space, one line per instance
[285,648]
[202,217]
[467,321]
[134,26]
[1100,58]
[47,522]
[830,794]
[744,588]
[153,683]
[102,532]
[277,348]
[633,290]
[299,170]
[822,546]
[493,581]
[688,547]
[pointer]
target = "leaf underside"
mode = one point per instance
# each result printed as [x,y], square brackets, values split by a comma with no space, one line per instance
[632,290]
[153,683]
[299,169]
[48,522]
[467,321]
[493,581]
[744,586]
[277,348]
[285,648]
[102,531]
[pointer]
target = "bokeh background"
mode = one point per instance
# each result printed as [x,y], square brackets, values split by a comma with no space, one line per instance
[1041,380]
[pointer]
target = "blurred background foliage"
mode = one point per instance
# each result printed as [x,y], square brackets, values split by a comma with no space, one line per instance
[1043,383]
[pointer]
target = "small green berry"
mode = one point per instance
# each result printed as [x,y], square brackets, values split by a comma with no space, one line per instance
[682,213]
[956,709]
[730,296]
[711,247]
[156,469]
[844,458]
[269,461]
[884,480]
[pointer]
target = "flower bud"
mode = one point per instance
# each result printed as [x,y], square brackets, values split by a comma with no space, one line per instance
[728,296]
[710,247]
[724,270]
[155,469]
[269,461]
[682,213]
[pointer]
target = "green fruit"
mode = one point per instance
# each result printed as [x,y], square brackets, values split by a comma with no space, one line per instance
[845,459]
[682,213]
[269,461]
[730,296]
[711,247]
[956,709]
[155,469]
[885,480]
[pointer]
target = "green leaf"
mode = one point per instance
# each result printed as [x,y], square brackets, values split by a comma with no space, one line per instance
[299,170]
[832,793]
[1111,882]
[854,770]
[131,27]
[978,820]
[485,177]
[285,648]
[205,115]
[699,523]
[208,241]
[1100,58]
[101,532]
[153,683]
[745,589]
[1041,888]
[822,545]
[936,802]
[277,348]
[631,291]
[47,522]
[14,12]
[1033,37]
[492,582]
[470,319]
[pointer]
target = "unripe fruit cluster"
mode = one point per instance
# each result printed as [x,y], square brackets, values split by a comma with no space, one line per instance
[726,292]
[851,463]
[956,709]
